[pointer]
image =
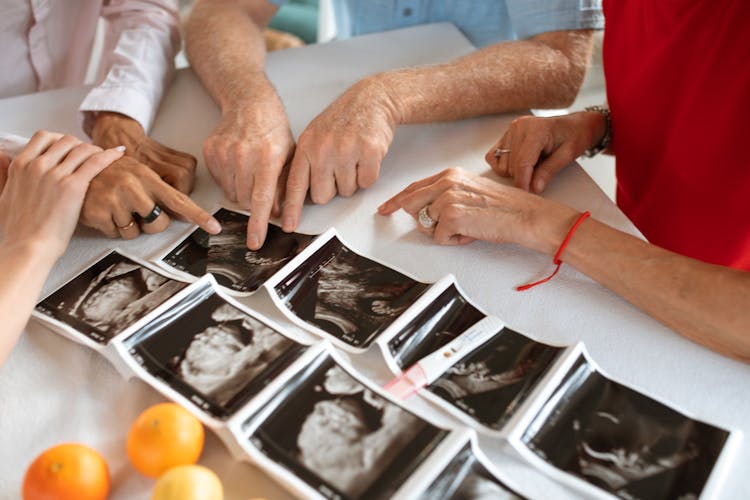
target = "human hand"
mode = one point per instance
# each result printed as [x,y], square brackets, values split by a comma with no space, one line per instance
[246,154]
[341,150]
[175,167]
[4,164]
[46,184]
[533,149]
[468,207]
[129,188]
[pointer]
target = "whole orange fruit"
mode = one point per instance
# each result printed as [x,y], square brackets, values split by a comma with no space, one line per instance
[163,436]
[67,471]
[188,482]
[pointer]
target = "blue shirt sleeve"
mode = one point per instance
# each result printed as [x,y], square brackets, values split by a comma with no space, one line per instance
[531,17]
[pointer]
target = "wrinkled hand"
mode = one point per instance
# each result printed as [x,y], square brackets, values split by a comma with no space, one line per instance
[541,147]
[341,150]
[45,188]
[128,187]
[175,167]
[468,207]
[246,154]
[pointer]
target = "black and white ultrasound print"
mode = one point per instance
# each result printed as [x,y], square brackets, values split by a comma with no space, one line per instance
[108,297]
[213,353]
[444,319]
[622,441]
[466,478]
[490,383]
[346,295]
[340,437]
[227,258]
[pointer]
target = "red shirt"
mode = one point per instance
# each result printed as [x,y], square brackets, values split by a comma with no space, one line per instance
[678,86]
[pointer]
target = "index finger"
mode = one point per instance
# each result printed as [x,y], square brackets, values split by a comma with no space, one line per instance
[297,185]
[264,192]
[183,207]
[395,202]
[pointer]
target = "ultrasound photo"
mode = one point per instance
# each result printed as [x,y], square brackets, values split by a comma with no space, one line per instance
[622,441]
[492,381]
[465,478]
[346,295]
[108,297]
[227,258]
[214,354]
[341,438]
[447,317]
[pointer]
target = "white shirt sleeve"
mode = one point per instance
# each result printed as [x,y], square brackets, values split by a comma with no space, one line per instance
[142,39]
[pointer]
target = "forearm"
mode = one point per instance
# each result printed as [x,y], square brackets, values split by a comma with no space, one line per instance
[543,72]
[704,302]
[141,42]
[225,45]
[24,270]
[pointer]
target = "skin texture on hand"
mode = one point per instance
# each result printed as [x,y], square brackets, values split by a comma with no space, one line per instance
[246,154]
[129,187]
[175,167]
[39,206]
[149,174]
[536,149]
[226,49]
[341,150]
[704,302]
[469,207]
[46,184]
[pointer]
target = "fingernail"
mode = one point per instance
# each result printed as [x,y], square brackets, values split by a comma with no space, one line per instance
[213,226]
[120,148]
[252,241]
[288,223]
[539,186]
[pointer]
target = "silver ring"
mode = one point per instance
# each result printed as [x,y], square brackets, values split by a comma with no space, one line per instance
[500,152]
[424,218]
[152,215]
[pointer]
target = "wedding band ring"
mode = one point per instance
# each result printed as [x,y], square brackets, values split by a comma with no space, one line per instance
[152,215]
[500,152]
[424,218]
[127,226]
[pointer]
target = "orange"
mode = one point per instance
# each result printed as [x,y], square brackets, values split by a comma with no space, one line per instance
[188,482]
[163,436]
[67,472]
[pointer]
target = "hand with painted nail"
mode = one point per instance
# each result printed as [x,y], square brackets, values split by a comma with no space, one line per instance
[45,188]
[533,150]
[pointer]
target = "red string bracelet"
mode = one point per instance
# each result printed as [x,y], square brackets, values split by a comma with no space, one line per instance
[556,259]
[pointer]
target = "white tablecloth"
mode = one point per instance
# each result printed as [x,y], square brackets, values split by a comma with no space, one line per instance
[54,390]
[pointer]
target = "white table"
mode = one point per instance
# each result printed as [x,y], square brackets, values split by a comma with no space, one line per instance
[55,391]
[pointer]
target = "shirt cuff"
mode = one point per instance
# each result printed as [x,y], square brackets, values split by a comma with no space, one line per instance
[12,144]
[531,19]
[126,101]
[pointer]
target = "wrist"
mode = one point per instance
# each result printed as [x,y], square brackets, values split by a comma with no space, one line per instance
[549,224]
[599,125]
[383,88]
[112,129]
[35,251]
